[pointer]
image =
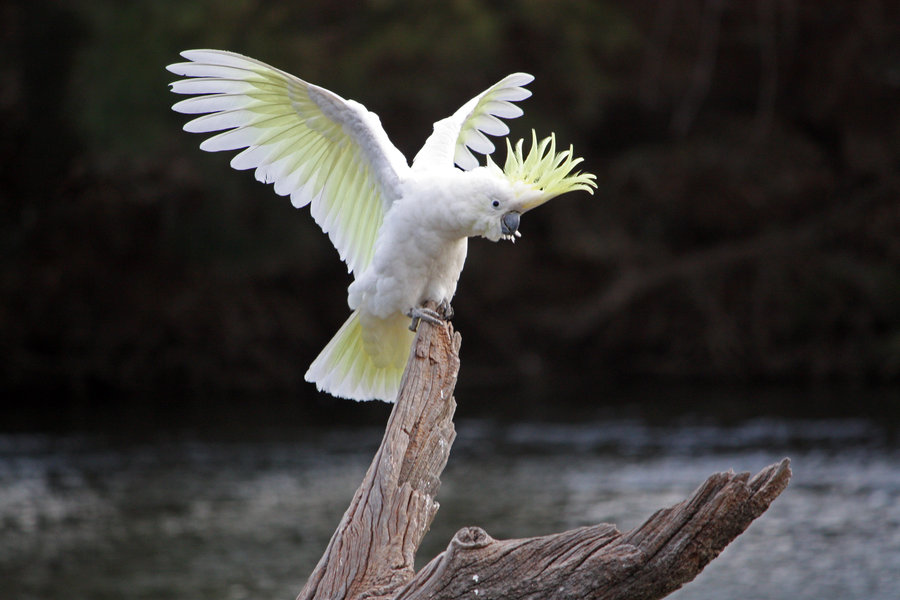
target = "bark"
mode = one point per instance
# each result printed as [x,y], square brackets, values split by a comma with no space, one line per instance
[371,554]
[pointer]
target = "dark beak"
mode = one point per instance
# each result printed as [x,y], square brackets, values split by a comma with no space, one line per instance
[509,223]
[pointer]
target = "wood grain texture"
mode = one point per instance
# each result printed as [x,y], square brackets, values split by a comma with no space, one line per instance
[371,554]
[595,562]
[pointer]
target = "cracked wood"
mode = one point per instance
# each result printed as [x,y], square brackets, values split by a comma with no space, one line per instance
[371,554]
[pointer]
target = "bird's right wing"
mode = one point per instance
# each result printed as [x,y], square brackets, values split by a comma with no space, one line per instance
[455,137]
[312,144]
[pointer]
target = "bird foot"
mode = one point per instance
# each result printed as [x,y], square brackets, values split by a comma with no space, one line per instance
[420,313]
[445,310]
[443,313]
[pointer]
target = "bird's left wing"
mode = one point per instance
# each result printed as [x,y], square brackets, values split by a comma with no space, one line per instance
[312,144]
[455,137]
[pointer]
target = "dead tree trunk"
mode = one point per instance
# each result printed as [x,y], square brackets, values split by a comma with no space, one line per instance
[371,554]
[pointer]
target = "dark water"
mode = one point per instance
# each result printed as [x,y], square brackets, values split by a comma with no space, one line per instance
[85,517]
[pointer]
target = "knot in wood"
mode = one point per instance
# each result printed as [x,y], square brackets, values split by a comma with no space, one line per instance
[472,538]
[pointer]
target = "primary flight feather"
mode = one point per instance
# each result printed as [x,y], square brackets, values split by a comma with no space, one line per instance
[401,229]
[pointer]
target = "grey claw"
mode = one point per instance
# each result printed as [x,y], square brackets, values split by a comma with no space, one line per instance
[446,310]
[420,313]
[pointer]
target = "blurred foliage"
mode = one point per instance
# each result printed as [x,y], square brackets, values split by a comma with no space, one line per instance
[747,226]
[363,50]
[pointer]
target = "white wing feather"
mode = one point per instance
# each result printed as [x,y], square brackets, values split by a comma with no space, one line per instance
[455,137]
[312,144]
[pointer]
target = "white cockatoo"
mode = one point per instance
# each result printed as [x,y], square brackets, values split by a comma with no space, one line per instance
[401,229]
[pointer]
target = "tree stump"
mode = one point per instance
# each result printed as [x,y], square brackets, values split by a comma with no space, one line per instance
[372,552]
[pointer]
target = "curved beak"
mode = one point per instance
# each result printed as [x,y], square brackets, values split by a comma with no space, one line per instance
[509,224]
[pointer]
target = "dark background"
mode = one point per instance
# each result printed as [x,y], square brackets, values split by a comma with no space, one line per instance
[745,233]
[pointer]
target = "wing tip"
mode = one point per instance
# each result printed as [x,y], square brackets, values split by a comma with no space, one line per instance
[520,76]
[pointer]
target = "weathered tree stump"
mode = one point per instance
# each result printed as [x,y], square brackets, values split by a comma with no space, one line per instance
[372,552]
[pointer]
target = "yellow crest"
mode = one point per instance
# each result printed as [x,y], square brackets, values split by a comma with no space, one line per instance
[545,173]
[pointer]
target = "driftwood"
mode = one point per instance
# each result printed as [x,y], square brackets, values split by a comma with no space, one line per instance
[371,554]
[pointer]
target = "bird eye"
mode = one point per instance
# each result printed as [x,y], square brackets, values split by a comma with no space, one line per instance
[495,204]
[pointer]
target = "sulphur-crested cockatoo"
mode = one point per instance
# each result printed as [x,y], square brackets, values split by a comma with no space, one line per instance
[401,229]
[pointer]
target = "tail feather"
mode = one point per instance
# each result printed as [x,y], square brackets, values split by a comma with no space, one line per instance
[346,367]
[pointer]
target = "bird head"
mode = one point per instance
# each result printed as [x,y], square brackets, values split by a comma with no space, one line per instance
[529,181]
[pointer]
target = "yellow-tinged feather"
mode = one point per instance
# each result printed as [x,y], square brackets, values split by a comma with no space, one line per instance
[543,170]
[364,359]
[304,139]
[349,188]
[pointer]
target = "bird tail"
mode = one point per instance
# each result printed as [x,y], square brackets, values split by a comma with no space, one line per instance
[365,359]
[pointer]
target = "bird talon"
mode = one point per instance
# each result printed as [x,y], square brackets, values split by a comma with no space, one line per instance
[445,310]
[420,313]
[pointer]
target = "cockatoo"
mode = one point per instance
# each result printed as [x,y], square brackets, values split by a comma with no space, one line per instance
[402,229]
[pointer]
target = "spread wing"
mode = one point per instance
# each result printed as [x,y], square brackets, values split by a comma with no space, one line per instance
[455,137]
[312,144]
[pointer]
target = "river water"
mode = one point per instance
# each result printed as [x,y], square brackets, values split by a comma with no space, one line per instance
[91,516]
